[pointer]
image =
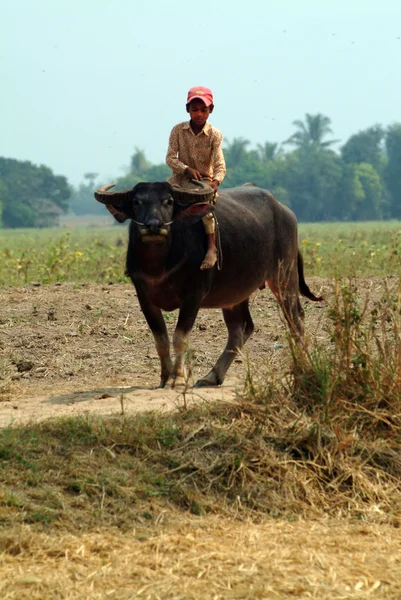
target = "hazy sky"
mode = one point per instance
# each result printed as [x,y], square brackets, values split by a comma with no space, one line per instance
[83,82]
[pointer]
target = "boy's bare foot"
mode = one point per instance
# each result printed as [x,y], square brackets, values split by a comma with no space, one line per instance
[210,259]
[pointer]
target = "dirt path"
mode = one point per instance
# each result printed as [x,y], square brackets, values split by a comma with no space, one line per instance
[69,349]
[86,349]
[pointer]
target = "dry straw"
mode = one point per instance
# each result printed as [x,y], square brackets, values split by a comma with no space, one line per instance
[319,440]
[214,558]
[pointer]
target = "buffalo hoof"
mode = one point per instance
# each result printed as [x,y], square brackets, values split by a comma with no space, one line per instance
[211,380]
[178,382]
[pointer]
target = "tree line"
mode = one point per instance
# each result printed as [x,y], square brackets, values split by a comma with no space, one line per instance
[31,195]
[359,181]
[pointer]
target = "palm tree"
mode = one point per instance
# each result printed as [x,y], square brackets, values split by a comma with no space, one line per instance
[268,151]
[312,132]
[139,162]
[235,152]
[91,178]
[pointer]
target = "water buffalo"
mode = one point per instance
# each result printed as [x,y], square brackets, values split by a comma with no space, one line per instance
[167,244]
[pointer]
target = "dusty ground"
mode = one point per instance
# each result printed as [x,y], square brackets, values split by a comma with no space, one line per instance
[75,348]
[68,349]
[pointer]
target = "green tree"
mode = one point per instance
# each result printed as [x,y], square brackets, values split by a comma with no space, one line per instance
[311,177]
[393,168]
[235,152]
[365,147]
[311,132]
[268,151]
[371,202]
[2,197]
[91,177]
[350,194]
[247,167]
[158,172]
[82,199]
[142,170]
[32,196]
[139,163]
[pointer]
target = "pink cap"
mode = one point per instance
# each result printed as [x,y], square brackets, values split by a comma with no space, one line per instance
[202,93]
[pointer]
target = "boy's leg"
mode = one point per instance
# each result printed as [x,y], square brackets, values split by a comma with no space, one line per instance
[211,254]
[210,228]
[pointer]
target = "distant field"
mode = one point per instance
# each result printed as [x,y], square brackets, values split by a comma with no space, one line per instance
[87,220]
[284,483]
[371,248]
[94,254]
[89,249]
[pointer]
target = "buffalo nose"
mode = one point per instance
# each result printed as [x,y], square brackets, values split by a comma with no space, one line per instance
[154,225]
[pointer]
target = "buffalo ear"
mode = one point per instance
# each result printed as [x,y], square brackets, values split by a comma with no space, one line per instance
[119,215]
[121,212]
[193,212]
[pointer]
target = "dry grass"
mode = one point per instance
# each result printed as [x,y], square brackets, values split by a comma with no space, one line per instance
[5,380]
[325,438]
[241,458]
[188,558]
[104,508]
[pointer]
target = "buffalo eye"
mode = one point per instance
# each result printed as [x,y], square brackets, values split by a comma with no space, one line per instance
[168,202]
[137,202]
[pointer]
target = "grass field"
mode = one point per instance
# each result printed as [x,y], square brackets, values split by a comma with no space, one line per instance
[94,254]
[292,490]
[349,249]
[77,252]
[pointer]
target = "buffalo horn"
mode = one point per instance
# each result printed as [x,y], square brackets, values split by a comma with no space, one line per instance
[114,198]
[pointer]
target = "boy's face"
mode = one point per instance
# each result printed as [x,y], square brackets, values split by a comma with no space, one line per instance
[199,112]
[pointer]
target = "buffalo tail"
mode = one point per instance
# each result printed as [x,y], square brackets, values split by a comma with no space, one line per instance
[303,286]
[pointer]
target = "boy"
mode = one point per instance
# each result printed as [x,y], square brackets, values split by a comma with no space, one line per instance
[195,152]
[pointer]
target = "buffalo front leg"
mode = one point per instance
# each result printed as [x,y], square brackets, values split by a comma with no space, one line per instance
[155,320]
[240,327]
[186,320]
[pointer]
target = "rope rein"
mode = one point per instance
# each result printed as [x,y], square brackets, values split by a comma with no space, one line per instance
[143,224]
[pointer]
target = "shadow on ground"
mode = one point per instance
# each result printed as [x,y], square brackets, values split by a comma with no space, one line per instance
[95,394]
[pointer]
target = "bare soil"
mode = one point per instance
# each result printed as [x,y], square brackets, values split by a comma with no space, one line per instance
[76,349]
[69,349]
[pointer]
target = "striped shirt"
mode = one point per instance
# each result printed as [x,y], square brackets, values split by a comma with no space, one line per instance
[202,152]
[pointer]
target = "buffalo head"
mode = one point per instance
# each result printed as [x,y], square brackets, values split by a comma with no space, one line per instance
[151,207]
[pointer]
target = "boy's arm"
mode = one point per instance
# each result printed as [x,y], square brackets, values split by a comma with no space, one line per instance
[219,164]
[172,161]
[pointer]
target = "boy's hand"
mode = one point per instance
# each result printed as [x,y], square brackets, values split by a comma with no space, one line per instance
[215,184]
[193,174]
